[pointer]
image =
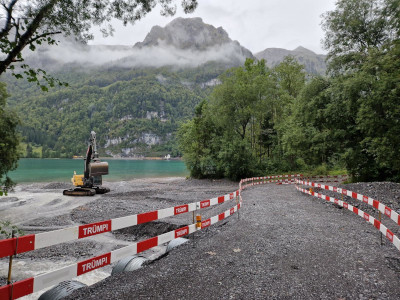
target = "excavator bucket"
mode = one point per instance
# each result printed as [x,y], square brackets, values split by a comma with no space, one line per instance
[98,168]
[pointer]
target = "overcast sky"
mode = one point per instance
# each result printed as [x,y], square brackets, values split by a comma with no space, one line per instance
[256,24]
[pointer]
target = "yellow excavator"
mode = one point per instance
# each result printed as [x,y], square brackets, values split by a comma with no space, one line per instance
[90,183]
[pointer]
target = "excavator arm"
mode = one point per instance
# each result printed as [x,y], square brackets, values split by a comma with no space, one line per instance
[90,182]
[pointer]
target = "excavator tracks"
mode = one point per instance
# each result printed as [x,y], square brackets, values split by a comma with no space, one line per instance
[86,191]
[80,192]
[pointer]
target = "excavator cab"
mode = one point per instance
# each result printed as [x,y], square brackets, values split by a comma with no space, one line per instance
[90,183]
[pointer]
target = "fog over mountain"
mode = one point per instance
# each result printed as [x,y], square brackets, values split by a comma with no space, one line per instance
[185,42]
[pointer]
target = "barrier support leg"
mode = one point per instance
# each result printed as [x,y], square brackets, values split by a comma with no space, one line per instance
[194,222]
[198,226]
[237,203]
[380,219]
[10,263]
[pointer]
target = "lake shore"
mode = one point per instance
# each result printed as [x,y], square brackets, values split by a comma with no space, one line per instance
[61,170]
[42,202]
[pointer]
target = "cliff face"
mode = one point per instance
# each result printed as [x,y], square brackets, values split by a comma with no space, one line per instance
[191,36]
[186,33]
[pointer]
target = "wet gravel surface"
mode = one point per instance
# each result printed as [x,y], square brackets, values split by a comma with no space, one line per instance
[141,196]
[286,245]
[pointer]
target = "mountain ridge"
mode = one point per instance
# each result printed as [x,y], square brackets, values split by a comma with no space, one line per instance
[184,42]
[313,63]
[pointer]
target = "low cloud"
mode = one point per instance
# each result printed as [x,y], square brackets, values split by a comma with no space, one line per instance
[68,52]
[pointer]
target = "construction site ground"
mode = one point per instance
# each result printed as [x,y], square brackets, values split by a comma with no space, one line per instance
[285,245]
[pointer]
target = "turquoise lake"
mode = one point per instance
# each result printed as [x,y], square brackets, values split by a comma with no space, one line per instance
[54,170]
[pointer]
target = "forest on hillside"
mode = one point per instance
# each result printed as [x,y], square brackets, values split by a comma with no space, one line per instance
[262,121]
[127,108]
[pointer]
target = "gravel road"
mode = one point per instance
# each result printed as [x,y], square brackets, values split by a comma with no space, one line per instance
[286,245]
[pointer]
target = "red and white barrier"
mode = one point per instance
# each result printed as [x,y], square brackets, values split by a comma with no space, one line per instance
[378,225]
[36,241]
[365,199]
[327,178]
[278,179]
[34,284]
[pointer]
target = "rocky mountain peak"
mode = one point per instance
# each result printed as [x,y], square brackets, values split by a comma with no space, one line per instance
[303,50]
[192,41]
[186,33]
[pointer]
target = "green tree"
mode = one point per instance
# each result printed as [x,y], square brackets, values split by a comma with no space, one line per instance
[9,141]
[363,42]
[230,133]
[199,143]
[354,27]
[289,79]
[290,76]
[379,113]
[29,151]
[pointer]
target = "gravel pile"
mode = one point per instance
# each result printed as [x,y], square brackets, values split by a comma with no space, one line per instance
[57,185]
[388,193]
[82,249]
[143,231]
[63,220]
[139,197]
[286,245]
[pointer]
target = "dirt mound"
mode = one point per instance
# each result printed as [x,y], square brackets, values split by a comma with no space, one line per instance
[57,186]
[143,231]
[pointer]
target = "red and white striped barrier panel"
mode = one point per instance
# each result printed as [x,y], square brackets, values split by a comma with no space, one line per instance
[34,284]
[365,199]
[31,242]
[268,181]
[378,225]
[327,178]
[278,179]
[286,182]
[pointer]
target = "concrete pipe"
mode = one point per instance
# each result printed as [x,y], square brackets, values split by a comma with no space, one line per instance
[61,290]
[175,243]
[128,264]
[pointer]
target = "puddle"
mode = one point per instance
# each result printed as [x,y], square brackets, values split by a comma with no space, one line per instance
[43,203]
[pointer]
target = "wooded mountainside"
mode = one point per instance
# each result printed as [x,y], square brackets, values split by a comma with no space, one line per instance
[129,109]
[133,97]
